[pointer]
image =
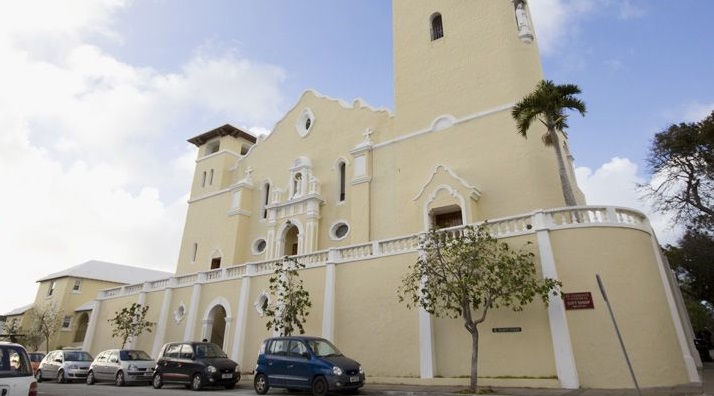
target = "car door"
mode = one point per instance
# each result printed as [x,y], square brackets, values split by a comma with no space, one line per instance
[186,362]
[168,364]
[112,365]
[99,368]
[297,365]
[276,362]
[54,364]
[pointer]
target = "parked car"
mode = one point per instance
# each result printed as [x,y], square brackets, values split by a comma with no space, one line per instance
[196,364]
[310,363]
[121,366]
[35,359]
[16,377]
[64,365]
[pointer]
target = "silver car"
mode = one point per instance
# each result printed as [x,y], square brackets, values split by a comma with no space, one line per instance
[121,366]
[64,365]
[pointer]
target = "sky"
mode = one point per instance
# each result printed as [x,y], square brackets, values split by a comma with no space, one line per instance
[98,98]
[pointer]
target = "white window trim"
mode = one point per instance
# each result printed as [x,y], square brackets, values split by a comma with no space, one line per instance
[334,226]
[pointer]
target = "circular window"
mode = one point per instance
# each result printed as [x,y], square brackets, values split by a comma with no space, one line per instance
[259,246]
[261,304]
[180,313]
[305,122]
[340,230]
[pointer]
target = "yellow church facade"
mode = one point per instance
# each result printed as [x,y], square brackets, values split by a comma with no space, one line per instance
[347,190]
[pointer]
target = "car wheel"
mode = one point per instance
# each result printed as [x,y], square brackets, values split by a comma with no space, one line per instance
[60,377]
[90,378]
[197,382]
[157,383]
[38,375]
[319,386]
[260,383]
[119,380]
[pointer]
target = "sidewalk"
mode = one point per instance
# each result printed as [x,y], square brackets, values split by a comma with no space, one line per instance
[706,389]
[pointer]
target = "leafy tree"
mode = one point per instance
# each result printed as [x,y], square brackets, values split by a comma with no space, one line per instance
[46,320]
[466,274]
[130,322]
[693,266]
[33,338]
[682,160]
[12,331]
[292,302]
[548,103]
[700,314]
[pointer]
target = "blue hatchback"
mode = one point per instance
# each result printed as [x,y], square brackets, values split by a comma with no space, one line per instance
[310,363]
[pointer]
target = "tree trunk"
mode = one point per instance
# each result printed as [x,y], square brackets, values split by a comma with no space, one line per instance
[562,172]
[474,360]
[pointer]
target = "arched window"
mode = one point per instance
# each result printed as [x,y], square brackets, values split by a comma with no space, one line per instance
[437,27]
[195,252]
[210,179]
[266,199]
[342,169]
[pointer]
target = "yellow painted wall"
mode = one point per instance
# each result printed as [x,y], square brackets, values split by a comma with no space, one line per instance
[625,261]
[370,323]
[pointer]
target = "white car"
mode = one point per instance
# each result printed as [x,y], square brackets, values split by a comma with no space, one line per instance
[16,377]
[122,366]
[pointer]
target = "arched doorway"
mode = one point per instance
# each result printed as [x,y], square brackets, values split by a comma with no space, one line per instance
[82,323]
[291,240]
[217,325]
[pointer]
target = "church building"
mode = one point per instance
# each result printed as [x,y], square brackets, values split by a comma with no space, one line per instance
[347,189]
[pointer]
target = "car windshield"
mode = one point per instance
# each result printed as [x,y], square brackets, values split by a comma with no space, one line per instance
[208,350]
[323,348]
[36,357]
[77,357]
[134,355]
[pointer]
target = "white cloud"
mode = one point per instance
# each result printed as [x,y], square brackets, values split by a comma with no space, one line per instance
[614,183]
[557,22]
[92,149]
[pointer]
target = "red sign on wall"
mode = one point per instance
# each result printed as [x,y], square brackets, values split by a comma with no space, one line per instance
[582,300]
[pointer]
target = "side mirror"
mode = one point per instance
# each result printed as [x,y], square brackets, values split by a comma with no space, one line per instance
[305,355]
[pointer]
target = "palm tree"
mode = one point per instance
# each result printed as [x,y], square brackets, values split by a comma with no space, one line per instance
[547,103]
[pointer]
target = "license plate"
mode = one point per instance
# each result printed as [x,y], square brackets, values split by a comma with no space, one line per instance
[148,374]
[354,379]
[224,376]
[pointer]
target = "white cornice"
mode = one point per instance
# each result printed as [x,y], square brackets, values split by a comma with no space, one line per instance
[230,152]
[475,193]
[437,126]
[211,195]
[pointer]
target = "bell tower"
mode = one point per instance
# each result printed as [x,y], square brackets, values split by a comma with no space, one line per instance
[460,57]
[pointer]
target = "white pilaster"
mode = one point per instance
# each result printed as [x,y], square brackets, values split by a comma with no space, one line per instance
[689,361]
[560,335]
[238,351]
[328,311]
[426,345]
[91,326]
[162,321]
[426,339]
[193,308]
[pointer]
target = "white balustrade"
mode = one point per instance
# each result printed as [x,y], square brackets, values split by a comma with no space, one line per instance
[553,219]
